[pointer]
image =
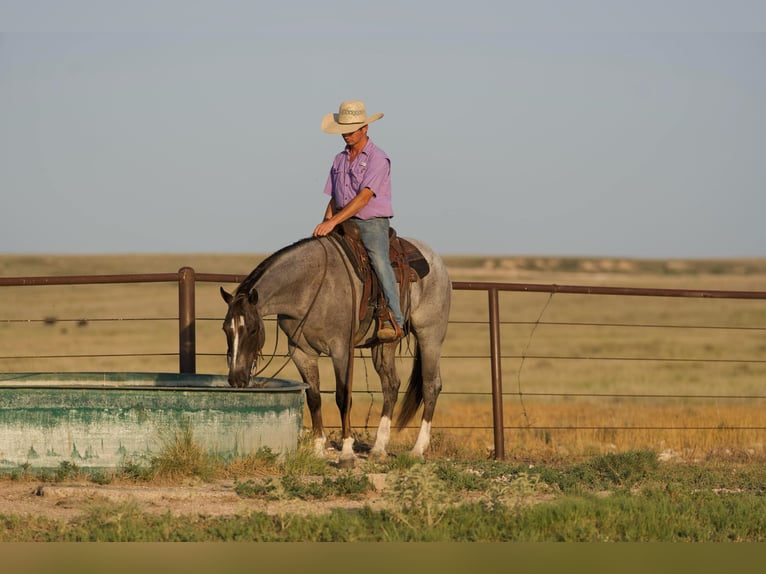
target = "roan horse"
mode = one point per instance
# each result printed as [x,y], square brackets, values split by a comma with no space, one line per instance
[314,293]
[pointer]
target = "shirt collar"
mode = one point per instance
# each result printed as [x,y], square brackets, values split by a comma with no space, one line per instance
[365,150]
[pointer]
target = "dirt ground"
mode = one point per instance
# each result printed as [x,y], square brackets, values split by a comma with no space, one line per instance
[67,500]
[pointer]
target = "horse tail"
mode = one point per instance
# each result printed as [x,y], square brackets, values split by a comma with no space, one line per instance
[413,397]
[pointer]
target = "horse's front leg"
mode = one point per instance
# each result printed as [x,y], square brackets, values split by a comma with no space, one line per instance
[308,368]
[384,359]
[344,374]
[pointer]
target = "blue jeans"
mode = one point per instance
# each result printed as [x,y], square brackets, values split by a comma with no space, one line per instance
[374,234]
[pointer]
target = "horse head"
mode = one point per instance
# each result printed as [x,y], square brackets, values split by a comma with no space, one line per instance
[244,335]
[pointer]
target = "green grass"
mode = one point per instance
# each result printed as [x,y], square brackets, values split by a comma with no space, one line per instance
[627,497]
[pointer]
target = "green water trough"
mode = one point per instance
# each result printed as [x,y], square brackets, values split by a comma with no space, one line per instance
[105,420]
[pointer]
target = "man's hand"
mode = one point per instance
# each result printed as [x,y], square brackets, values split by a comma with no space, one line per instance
[324,228]
[350,210]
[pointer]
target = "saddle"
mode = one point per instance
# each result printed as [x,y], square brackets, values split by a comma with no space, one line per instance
[408,264]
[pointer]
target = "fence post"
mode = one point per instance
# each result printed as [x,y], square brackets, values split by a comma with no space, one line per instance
[187,341]
[497,378]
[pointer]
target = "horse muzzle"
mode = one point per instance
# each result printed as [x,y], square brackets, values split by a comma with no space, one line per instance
[239,380]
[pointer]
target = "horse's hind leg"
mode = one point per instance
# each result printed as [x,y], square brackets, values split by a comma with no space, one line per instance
[309,371]
[383,357]
[429,356]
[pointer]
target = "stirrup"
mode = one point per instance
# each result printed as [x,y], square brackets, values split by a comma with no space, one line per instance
[389,330]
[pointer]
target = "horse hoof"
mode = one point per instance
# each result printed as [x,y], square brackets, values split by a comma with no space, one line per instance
[346,463]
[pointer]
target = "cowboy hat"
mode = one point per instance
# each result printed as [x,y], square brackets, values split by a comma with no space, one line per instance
[350,117]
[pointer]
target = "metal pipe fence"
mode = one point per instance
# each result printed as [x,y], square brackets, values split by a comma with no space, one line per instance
[186,279]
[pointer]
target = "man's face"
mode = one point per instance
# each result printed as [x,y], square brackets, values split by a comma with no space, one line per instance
[353,138]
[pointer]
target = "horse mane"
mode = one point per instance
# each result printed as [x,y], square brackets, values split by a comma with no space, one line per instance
[249,282]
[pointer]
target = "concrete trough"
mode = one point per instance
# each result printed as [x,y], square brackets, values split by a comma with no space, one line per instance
[105,420]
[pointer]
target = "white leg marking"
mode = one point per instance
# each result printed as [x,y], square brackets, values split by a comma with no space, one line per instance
[347,451]
[382,437]
[424,439]
[319,445]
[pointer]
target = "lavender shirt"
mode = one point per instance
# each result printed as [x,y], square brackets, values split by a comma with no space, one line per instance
[371,168]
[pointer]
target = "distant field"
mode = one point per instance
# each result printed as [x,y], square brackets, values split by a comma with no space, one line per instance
[599,363]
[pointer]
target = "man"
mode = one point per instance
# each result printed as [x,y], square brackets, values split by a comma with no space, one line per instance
[360,188]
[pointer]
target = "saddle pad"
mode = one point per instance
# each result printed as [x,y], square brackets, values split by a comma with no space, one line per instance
[414,258]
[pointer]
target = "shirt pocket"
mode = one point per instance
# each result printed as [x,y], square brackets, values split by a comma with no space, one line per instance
[357,174]
[338,177]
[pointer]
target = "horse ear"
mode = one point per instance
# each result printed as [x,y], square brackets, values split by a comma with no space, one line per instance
[252,297]
[226,296]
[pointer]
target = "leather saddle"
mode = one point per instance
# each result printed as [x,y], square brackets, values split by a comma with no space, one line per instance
[408,264]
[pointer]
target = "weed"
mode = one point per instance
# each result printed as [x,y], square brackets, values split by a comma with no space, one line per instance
[460,479]
[303,461]
[132,470]
[349,485]
[101,477]
[513,493]
[264,461]
[418,497]
[181,456]
[252,489]
[624,469]
[402,462]
[21,472]
[603,472]
[66,471]
[449,446]
[109,522]
[266,456]
[46,475]
[296,487]
[312,488]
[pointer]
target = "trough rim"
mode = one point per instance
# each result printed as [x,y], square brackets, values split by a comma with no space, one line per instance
[140,380]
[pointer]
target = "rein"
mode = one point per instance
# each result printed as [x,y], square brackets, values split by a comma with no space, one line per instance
[300,326]
[302,323]
[355,307]
[354,310]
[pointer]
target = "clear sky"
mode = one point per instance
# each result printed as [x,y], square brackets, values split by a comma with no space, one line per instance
[579,128]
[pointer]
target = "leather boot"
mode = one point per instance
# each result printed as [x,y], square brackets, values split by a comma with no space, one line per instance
[389,331]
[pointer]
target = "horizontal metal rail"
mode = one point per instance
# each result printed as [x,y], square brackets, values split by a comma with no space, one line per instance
[598,290]
[89,279]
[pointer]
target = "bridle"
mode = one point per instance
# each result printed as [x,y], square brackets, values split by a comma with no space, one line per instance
[302,323]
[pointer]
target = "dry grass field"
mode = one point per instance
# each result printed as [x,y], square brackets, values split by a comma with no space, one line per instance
[582,374]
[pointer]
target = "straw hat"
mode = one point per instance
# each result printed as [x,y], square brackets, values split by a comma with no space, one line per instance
[350,117]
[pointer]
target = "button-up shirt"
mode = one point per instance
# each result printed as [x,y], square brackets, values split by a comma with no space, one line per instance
[371,168]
